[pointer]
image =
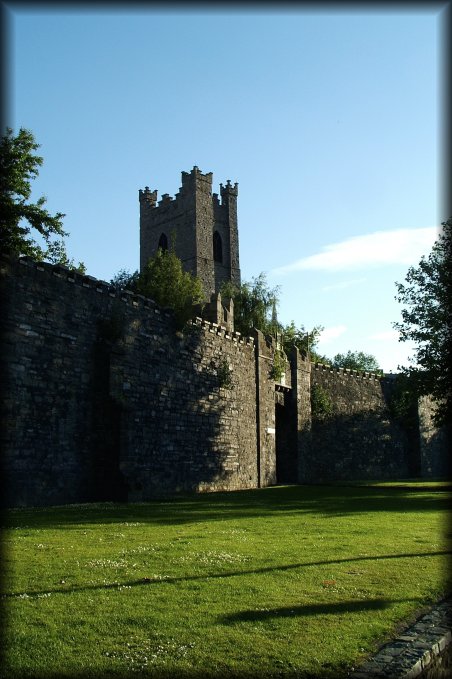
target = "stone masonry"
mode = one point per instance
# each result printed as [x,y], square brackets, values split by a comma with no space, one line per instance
[359,424]
[106,401]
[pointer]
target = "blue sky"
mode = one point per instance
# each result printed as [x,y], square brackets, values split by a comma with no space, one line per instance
[330,122]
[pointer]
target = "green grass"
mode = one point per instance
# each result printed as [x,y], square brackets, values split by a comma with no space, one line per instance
[434,484]
[294,581]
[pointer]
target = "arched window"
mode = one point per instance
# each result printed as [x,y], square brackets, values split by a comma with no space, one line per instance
[163,243]
[217,248]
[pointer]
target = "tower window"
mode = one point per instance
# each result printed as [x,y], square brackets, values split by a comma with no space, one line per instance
[163,243]
[217,248]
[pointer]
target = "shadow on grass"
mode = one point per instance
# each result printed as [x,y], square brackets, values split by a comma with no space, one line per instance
[338,608]
[143,582]
[265,502]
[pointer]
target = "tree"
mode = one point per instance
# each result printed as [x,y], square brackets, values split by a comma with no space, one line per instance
[357,360]
[303,340]
[254,305]
[164,280]
[426,320]
[18,167]
[124,280]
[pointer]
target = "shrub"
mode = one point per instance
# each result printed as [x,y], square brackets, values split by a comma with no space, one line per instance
[321,405]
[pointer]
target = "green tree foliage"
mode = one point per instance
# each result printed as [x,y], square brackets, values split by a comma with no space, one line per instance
[164,280]
[357,360]
[254,305]
[21,220]
[426,320]
[321,404]
[278,367]
[224,374]
[124,280]
[303,340]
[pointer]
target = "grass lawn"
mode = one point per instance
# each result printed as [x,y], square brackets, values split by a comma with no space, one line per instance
[294,581]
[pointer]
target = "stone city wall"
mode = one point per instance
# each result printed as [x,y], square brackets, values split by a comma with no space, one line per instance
[106,401]
[353,435]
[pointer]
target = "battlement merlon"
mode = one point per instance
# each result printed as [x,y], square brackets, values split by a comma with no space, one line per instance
[147,197]
[196,178]
[228,190]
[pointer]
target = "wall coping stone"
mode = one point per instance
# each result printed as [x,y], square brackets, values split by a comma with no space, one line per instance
[127,296]
[415,650]
[138,300]
[364,374]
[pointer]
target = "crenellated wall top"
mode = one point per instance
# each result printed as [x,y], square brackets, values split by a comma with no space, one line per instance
[221,331]
[190,182]
[71,277]
[324,367]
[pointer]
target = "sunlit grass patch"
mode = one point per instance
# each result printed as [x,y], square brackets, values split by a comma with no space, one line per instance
[223,584]
[420,484]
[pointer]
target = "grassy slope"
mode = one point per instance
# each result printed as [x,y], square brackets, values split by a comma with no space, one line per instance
[286,581]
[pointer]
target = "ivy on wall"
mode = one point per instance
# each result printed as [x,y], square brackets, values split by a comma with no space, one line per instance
[224,374]
[278,367]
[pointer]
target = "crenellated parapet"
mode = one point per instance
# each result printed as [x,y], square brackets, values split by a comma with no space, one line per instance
[218,310]
[76,279]
[222,331]
[147,198]
[196,179]
[191,181]
[222,327]
[363,374]
[228,190]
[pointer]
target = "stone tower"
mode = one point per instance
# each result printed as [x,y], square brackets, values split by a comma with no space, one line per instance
[203,229]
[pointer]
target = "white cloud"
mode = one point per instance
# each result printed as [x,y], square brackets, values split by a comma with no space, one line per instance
[343,285]
[386,335]
[400,246]
[329,334]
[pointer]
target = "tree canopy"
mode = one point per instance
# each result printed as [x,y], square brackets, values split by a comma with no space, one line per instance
[357,360]
[294,336]
[124,280]
[22,220]
[426,320]
[256,306]
[164,280]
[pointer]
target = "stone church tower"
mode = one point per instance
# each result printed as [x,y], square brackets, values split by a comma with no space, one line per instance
[203,229]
